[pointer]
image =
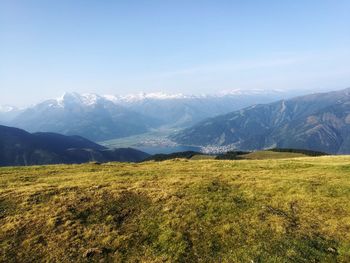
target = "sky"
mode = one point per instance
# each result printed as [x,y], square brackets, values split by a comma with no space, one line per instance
[173,46]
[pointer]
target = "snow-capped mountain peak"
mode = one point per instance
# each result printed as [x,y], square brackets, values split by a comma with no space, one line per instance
[112,116]
[152,96]
[138,97]
[91,99]
[86,99]
[7,108]
[248,92]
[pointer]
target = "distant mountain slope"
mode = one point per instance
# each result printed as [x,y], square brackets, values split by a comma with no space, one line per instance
[319,122]
[101,118]
[185,110]
[8,113]
[92,117]
[18,147]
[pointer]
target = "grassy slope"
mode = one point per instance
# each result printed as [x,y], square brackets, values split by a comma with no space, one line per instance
[291,210]
[262,155]
[203,157]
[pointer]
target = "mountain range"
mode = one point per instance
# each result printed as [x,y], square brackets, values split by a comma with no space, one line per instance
[18,147]
[100,118]
[319,122]
[90,116]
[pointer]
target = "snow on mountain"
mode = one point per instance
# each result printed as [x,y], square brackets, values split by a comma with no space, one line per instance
[154,96]
[91,99]
[87,115]
[7,113]
[104,117]
[7,108]
[174,109]
[86,99]
[130,98]
[249,92]
[318,121]
[166,96]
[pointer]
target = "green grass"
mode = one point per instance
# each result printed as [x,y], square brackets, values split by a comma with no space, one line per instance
[203,157]
[263,155]
[276,210]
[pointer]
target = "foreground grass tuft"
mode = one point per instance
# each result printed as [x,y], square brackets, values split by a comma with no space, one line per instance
[288,210]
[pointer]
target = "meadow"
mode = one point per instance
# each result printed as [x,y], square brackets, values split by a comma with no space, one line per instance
[273,210]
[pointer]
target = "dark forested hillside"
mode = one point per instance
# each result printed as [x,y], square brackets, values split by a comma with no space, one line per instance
[18,147]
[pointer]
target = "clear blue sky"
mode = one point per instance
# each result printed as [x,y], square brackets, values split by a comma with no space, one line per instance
[189,46]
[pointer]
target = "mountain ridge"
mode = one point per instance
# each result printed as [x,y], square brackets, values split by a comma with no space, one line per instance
[101,118]
[18,147]
[318,121]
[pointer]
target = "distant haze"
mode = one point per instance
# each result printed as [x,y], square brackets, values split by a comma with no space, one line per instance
[190,47]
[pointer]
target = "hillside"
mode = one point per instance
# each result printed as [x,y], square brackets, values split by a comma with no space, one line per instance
[319,122]
[236,155]
[18,147]
[290,210]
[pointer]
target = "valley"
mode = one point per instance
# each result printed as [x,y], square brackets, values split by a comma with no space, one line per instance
[152,142]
